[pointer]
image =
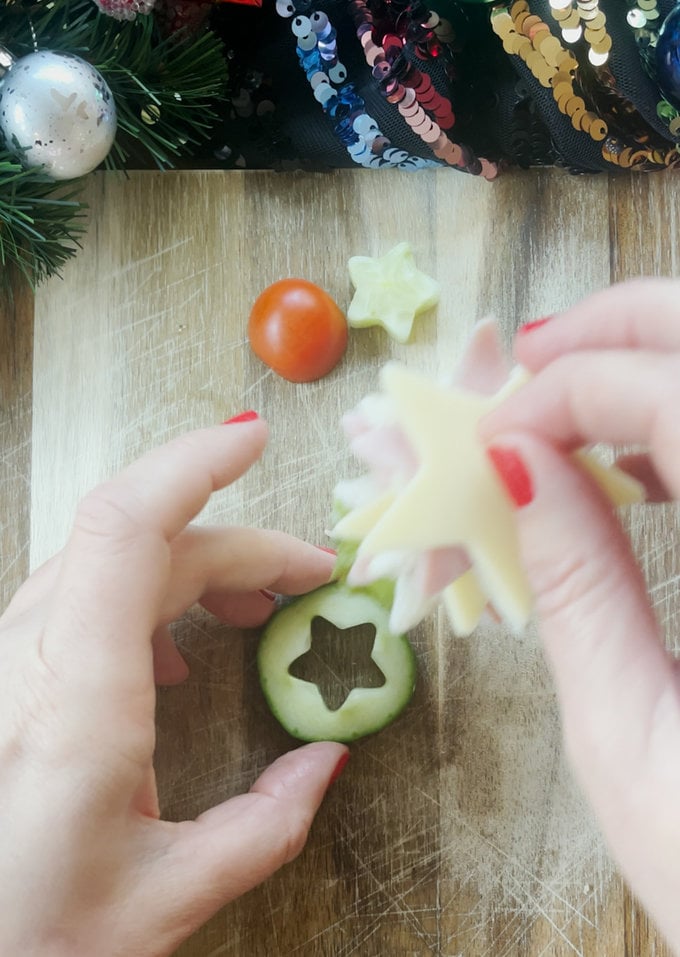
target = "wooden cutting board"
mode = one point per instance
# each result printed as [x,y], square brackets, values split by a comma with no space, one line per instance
[457,832]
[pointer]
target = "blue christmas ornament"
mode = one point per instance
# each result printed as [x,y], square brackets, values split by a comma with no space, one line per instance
[668,57]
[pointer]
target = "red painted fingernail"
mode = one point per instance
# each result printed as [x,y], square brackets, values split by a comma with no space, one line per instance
[248,416]
[267,594]
[536,324]
[339,768]
[513,474]
[329,551]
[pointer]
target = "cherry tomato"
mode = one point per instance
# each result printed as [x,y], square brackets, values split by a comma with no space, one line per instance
[297,330]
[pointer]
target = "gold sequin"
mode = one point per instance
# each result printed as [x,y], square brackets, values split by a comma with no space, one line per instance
[577,117]
[573,18]
[598,129]
[525,35]
[551,48]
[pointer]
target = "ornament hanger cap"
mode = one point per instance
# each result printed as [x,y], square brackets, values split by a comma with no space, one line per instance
[6,61]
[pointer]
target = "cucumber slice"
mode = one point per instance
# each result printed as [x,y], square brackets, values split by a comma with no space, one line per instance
[298,704]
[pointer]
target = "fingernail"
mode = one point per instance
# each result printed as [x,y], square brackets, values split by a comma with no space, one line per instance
[267,594]
[536,324]
[329,551]
[248,416]
[513,474]
[339,768]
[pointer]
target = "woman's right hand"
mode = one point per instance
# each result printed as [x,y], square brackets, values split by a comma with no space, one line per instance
[607,370]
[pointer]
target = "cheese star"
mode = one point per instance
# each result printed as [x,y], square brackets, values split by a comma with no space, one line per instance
[455,498]
[390,292]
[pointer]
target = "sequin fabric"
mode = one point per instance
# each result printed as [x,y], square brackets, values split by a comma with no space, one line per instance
[573,83]
[356,128]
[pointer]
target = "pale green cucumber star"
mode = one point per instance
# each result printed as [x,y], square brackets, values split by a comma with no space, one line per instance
[390,292]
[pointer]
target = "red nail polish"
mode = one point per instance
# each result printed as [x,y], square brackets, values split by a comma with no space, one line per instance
[513,474]
[536,324]
[339,768]
[248,416]
[267,594]
[329,551]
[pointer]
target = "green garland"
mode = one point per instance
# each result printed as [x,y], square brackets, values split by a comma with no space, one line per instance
[40,225]
[166,91]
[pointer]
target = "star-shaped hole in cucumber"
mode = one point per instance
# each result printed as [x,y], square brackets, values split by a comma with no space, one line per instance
[298,703]
[339,660]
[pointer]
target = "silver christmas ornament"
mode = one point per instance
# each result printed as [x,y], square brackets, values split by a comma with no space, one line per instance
[57,112]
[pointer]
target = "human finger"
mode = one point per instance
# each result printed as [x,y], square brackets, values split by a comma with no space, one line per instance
[236,845]
[33,591]
[640,466]
[115,568]
[618,689]
[211,565]
[589,397]
[241,609]
[599,630]
[639,314]
[169,667]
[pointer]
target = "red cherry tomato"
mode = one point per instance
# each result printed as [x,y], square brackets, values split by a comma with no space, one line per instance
[297,330]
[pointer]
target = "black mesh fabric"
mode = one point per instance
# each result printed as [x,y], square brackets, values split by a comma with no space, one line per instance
[502,111]
[626,65]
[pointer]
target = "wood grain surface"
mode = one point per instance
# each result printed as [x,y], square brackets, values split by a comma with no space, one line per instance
[457,832]
[16,351]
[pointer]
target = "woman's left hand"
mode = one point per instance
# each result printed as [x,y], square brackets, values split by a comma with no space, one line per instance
[87,867]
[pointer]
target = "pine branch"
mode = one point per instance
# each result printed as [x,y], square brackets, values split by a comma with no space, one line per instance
[165,88]
[40,223]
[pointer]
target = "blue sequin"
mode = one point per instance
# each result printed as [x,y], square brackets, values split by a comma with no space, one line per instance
[326,32]
[310,62]
[344,105]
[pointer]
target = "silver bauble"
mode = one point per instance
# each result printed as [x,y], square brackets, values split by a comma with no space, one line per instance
[57,112]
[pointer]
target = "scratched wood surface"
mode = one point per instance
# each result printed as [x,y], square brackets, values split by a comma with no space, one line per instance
[457,831]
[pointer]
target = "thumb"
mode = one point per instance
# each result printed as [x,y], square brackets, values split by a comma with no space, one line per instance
[233,847]
[595,619]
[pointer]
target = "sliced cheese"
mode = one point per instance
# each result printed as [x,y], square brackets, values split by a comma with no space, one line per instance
[457,499]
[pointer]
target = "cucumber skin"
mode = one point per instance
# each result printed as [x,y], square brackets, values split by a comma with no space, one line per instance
[332,595]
